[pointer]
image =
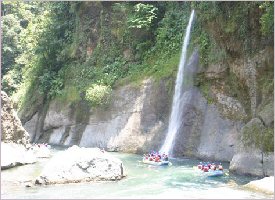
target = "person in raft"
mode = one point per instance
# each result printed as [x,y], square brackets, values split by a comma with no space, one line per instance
[156,156]
[207,166]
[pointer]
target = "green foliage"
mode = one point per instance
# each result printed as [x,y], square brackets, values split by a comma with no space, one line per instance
[207,11]
[17,20]
[98,94]
[16,16]
[73,45]
[50,84]
[142,16]
[268,140]
[258,137]
[55,46]
[234,26]
[205,89]
[170,32]
[11,47]
[155,68]
[69,94]
[204,44]
[46,39]
[266,84]
[11,81]
[267,18]
[165,68]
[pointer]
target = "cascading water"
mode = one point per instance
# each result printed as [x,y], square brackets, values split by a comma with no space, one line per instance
[175,117]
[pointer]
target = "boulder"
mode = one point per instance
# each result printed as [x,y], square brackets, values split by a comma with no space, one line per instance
[14,155]
[78,164]
[41,152]
[251,135]
[14,137]
[253,163]
[265,185]
[249,159]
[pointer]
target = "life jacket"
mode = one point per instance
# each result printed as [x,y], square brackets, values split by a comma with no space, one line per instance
[205,169]
[213,167]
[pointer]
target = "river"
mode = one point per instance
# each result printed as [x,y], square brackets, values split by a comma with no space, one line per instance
[143,181]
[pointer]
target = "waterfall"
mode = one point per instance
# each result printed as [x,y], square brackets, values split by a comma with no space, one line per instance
[175,118]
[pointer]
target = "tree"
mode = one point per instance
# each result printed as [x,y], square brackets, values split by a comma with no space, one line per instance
[11,47]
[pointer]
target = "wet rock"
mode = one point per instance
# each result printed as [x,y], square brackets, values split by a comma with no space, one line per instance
[248,158]
[42,152]
[29,183]
[265,185]
[39,181]
[81,165]
[15,155]
[253,163]
[205,133]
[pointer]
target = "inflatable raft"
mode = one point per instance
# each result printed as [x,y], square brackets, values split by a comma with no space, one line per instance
[213,173]
[146,161]
[210,173]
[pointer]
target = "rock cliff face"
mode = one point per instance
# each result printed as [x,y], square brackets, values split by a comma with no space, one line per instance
[242,96]
[205,133]
[137,118]
[11,127]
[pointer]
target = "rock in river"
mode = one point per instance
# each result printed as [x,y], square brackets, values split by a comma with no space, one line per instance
[14,138]
[265,185]
[81,165]
[15,154]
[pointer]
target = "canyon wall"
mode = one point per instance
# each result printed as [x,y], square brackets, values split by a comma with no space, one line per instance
[137,118]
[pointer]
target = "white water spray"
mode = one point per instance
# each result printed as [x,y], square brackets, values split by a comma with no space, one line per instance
[175,117]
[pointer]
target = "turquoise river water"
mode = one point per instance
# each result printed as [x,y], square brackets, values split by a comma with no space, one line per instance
[143,181]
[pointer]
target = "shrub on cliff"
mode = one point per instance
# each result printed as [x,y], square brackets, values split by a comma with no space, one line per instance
[98,94]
